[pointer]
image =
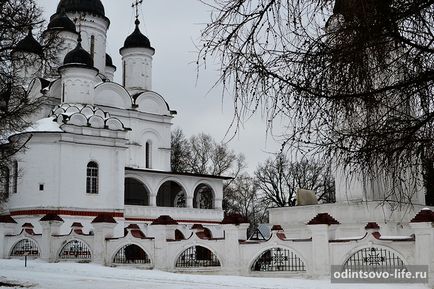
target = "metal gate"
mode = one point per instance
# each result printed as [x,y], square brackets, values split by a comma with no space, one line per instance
[278,259]
[131,254]
[373,257]
[75,250]
[25,247]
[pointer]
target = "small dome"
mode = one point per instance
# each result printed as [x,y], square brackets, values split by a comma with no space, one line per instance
[78,56]
[29,44]
[137,39]
[108,60]
[61,22]
[90,6]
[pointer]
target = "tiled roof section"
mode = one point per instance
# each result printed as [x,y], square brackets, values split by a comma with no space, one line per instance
[277,228]
[51,217]
[7,219]
[133,227]
[164,220]
[104,218]
[76,225]
[323,219]
[372,226]
[425,215]
[27,225]
[197,227]
[235,219]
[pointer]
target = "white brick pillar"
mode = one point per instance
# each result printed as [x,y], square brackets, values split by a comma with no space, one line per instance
[50,226]
[102,229]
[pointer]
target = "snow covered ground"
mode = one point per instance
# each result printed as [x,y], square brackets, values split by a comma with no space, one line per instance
[90,276]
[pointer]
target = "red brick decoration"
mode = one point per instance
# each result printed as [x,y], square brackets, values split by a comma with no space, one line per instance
[65,213]
[235,219]
[133,227]
[51,217]
[323,219]
[425,215]
[164,220]
[104,218]
[27,225]
[7,219]
[372,226]
[277,228]
[197,227]
[76,225]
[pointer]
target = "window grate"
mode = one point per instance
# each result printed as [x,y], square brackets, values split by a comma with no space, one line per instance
[25,247]
[131,254]
[92,178]
[196,257]
[279,259]
[75,250]
[371,258]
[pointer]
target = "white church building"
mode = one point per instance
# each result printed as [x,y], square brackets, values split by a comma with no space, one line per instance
[95,183]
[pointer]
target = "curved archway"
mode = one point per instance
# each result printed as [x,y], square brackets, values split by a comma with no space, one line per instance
[171,194]
[131,254]
[373,257]
[278,259]
[196,257]
[203,197]
[25,247]
[75,250]
[136,193]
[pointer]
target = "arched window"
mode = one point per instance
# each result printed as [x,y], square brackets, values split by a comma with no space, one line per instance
[171,194]
[197,256]
[131,254]
[148,154]
[373,257]
[25,247]
[136,193]
[4,186]
[203,197]
[92,178]
[75,250]
[278,259]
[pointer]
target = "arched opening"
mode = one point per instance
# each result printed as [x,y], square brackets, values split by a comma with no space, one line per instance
[171,194]
[148,154]
[136,193]
[25,247]
[197,256]
[131,254]
[92,178]
[203,197]
[75,250]
[373,257]
[278,259]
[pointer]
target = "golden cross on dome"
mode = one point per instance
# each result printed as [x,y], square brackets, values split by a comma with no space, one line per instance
[136,6]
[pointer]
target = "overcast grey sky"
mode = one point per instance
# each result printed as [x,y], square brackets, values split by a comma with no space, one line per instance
[174,26]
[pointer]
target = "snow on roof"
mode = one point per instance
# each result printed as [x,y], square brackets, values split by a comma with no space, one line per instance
[44,125]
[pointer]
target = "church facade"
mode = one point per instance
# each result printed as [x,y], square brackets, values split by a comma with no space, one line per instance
[94,183]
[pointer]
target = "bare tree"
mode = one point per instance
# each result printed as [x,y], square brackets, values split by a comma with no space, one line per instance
[353,79]
[17,19]
[278,180]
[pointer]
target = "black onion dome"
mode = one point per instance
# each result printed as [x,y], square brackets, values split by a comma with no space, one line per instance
[29,44]
[61,22]
[78,56]
[90,6]
[108,60]
[137,39]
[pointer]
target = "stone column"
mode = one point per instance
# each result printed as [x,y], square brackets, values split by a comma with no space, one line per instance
[160,243]
[153,200]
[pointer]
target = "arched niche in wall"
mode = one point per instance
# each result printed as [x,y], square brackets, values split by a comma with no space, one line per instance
[203,197]
[112,94]
[136,193]
[25,247]
[152,102]
[373,257]
[75,250]
[197,257]
[171,194]
[131,254]
[278,260]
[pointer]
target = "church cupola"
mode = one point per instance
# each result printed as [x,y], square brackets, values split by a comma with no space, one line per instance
[78,76]
[109,68]
[89,17]
[137,56]
[27,59]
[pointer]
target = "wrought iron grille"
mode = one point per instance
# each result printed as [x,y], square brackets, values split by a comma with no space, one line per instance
[278,259]
[371,258]
[131,254]
[197,256]
[75,250]
[25,247]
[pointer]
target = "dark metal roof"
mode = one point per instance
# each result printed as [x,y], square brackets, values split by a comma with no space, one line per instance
[78,56]
[109,61]
[179,174]
[137,39]
[61,22]
[90,6]
[29,44]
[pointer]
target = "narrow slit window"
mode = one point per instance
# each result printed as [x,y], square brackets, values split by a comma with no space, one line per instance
[92,178]
[15,184]
[148,155]
[92,46]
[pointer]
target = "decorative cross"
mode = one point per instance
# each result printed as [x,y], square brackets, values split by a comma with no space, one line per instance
[136,6]
[79,20]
